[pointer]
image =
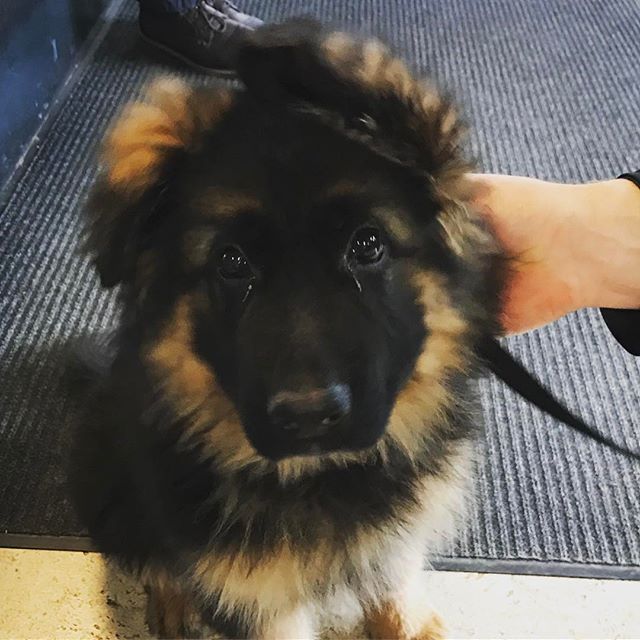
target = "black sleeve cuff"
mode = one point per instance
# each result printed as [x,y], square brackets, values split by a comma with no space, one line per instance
[624,324]
[632,177]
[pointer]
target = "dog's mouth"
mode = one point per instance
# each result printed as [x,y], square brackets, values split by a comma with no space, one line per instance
[313,445]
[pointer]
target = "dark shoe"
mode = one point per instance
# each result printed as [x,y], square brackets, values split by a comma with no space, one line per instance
[207,36]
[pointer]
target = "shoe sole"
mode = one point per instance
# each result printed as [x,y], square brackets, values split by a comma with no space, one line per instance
[220,73]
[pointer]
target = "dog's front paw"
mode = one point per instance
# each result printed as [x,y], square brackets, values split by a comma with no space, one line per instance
[392,622]
[433,629]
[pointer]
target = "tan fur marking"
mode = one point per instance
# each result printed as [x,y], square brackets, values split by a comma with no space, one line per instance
[434,629]
[274,591]
[167,119]
[374,58]
[136,145]
[189,377]
[388,623]
[338,47]
[277,582]
[344,188]
[377,68]
[223,203]
[429,98]
[385,623]
[446,327]
[383,71]
[395,222]
[283,580]
[425,394]
[194,391]
[462,234]
[230,446]
[373,66]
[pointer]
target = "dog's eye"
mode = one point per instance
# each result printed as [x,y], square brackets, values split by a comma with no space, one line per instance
[366,246]
[233,265]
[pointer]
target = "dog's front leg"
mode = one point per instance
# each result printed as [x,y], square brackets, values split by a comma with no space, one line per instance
[404,614]
[170,612]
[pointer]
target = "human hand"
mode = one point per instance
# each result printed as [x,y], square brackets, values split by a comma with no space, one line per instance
[570,246]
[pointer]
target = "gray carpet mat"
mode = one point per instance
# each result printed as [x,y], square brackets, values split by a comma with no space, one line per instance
[552,88]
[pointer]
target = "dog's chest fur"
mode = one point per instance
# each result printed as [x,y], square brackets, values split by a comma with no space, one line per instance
[304,551]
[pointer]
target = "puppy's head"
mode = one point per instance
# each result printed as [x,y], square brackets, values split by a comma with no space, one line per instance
[298,252]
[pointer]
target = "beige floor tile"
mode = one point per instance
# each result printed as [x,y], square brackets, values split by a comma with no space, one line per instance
[67,596]
[63,595]
[506,606]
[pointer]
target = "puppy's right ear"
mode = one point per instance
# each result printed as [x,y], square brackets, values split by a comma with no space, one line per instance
[363,89]
[137,159]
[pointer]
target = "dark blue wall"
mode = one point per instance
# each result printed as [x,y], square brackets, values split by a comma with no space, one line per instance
[39,40]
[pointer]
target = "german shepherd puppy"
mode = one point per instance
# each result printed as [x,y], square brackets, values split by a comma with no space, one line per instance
[289,415]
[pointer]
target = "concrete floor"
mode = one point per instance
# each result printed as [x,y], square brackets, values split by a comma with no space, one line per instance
[68,595]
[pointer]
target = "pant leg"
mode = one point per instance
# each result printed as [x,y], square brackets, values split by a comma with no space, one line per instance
[168,6]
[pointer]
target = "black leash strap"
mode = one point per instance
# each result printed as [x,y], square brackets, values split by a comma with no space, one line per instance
[511,372]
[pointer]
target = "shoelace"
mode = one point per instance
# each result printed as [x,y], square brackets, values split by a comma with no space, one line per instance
[214,13]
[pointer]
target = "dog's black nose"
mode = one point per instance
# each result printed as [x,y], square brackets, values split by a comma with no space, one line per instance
[312,413]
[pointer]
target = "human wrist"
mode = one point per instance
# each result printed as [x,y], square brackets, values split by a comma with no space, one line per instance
[608,244]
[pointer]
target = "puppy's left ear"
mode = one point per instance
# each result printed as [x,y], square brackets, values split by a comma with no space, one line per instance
[367,91]
[139,157]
